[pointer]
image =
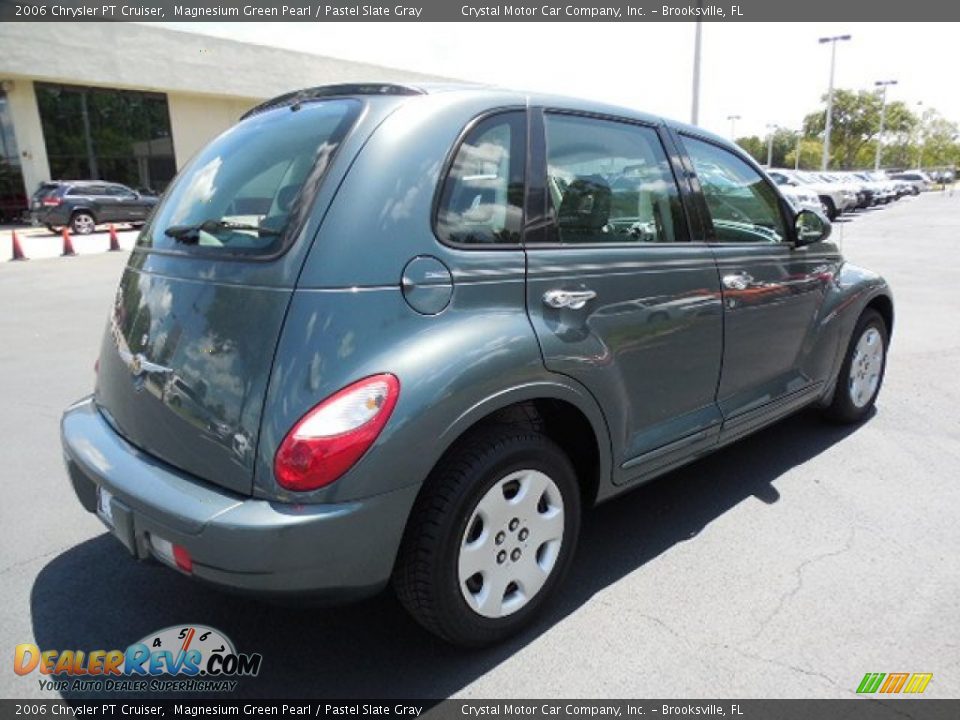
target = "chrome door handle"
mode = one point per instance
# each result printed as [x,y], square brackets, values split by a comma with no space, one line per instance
[573,299]
[737,281]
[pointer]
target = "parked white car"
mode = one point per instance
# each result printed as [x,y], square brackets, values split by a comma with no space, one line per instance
[802,197]
[834,198]
[918,180]
[884,190]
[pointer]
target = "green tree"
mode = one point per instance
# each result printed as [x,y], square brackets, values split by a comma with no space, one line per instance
[784,147]
[756,147]
[856,123]
[938,140]
[811,151]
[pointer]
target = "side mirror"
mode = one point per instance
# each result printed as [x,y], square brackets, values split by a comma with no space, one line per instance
[811,227]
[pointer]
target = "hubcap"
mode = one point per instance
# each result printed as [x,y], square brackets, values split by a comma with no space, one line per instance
[84,224]
[511,543]
[865,367]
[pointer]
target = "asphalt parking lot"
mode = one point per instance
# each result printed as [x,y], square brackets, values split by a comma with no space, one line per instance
[787,565]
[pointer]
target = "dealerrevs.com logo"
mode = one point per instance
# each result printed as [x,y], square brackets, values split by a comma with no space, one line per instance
[181,658]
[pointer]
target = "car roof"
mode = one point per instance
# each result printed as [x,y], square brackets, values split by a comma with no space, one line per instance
[409,91]
[80,182]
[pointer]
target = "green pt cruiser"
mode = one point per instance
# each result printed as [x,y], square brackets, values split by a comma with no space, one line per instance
[384,333]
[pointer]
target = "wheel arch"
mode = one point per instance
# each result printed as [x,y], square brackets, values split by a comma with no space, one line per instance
[82,209]
[862,290]
[883,304]
[567,414]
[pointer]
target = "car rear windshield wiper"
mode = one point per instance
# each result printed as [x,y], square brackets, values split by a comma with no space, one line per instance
[190,234]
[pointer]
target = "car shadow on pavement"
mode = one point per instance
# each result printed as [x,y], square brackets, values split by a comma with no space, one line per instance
[94,596]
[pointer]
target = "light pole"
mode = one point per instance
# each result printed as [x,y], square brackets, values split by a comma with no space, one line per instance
[733,126]
[882,84]
[796,156]
[697,38]
[919,134]
[771,129]
[833,64]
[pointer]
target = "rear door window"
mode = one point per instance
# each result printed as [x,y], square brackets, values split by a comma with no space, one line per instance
[610,182]
[87,190]
[249,190]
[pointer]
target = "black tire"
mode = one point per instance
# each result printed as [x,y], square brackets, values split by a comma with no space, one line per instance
[82,223]
[831,208]
[842,409]
[54,229]
[426,573]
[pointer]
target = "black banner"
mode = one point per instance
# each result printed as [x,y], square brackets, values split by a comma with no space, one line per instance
[474,11]
[853,709]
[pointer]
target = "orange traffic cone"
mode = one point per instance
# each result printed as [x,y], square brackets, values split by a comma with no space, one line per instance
[68,250]
[17,250]
[114,240]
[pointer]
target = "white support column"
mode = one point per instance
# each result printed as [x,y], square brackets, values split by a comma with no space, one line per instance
[22,102]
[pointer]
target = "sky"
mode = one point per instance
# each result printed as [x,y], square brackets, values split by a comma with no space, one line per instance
[767,73]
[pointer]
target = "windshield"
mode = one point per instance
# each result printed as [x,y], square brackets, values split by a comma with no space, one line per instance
[248,191]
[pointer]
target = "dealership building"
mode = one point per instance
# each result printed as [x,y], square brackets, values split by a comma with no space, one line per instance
[132,103]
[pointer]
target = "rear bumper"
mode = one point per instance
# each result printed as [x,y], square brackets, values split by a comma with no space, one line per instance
[335,552]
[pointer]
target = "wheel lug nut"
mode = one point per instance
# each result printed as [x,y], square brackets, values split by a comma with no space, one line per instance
[524,534]
[501,557]
[514,524]
[501,536]
[515,555]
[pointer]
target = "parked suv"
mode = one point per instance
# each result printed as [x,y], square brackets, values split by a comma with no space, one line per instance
[84,204]
[919,181]
[835,199]
[378,332]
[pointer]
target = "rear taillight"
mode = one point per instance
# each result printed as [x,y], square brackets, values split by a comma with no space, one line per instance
[329,439]
[51,201]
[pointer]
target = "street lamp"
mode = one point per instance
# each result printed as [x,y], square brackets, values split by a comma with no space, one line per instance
[919,134]
[733,126]
[796,156]
[882,84]
[833,63]
[771,129]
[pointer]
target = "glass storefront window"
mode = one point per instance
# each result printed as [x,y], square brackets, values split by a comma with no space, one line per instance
[13,201]
[120,136]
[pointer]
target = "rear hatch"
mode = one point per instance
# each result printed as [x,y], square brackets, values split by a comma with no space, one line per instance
[45,189]
[190,341]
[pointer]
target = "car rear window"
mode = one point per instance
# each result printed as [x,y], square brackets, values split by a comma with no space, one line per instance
[249,190]
[44,190]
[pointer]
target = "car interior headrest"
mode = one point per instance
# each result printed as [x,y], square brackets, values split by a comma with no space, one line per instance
[585,204]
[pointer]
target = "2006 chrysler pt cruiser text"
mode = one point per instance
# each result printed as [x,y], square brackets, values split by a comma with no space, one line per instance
[380,332]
